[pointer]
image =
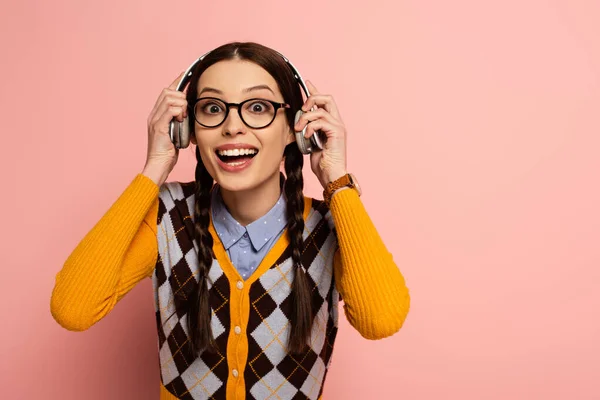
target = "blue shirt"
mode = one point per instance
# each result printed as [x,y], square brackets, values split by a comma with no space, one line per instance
[247,245]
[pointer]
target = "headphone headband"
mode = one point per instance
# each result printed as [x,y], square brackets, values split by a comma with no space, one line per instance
[188,73]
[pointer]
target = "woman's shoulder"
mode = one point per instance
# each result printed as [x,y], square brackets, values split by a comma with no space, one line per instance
[176,197]
[316,205]
[316,210]
[177,190]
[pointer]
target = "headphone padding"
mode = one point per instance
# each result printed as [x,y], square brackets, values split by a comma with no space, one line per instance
[184,133]
[303,143]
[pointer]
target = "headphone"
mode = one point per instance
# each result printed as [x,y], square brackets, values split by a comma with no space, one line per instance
[179,131]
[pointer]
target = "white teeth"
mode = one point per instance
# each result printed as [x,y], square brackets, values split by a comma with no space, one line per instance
[237,152]
[233,164]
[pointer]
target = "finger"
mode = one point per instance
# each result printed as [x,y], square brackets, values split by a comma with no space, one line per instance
[166,92]
[309,116]
[166,97]
[170,89]
[327,128]
[169,114]
[324,101]
[311,88]
[173,85]
[168,103]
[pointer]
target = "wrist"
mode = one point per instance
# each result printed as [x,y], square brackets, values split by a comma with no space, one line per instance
[158,173]
[333,176]
[346,181]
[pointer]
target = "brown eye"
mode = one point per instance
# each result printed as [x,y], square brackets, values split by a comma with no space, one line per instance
[212,108]
[259,107]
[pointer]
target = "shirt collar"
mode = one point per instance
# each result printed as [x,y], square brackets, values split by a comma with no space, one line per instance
[228,229]
[260,231]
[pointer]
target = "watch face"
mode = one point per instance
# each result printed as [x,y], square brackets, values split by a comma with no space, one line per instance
[355,183]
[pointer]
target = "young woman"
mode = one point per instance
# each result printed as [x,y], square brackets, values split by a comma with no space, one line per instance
[247,272]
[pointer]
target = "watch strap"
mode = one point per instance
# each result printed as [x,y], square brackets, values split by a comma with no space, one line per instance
[343,181]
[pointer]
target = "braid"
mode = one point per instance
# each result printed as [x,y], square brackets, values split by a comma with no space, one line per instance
[199,313]
[301,320]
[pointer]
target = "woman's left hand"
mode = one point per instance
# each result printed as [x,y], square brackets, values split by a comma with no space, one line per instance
[330,163]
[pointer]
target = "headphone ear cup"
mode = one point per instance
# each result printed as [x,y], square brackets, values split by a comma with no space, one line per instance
[316,141]
[184,133]
[180,133]
[303,143]
[174,132]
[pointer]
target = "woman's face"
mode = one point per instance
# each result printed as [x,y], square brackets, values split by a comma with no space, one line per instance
[237,156]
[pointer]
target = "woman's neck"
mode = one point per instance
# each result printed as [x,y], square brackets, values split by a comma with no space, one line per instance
[249,205]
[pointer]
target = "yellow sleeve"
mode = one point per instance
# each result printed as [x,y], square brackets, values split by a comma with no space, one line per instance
[119,251]
[376,299]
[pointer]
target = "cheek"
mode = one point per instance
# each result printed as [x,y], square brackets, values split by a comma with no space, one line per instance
[204,139]
[279,136]
[206,155]
[275,144]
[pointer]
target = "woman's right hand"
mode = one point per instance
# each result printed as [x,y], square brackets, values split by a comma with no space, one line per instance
[162,153]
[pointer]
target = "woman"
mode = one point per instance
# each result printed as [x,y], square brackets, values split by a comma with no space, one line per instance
[247,272]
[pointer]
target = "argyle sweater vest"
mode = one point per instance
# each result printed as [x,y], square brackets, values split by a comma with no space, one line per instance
[250,319]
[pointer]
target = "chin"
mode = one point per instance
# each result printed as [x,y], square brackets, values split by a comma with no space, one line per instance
[237,183]
[246,181]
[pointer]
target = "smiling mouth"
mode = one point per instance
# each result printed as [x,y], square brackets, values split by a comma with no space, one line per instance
[236,156]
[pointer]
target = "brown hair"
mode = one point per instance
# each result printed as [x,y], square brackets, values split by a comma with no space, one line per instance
[198,308]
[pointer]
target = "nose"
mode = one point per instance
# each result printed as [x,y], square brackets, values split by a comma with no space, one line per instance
[233,124]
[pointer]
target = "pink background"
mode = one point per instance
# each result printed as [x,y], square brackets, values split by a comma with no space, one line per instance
[473,127]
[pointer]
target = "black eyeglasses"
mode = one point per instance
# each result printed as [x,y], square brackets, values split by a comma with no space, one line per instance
[211,112]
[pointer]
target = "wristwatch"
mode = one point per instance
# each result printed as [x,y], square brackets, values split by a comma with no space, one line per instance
[348,180]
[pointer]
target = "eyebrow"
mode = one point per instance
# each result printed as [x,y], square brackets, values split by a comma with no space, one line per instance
[209,89]
[257,87]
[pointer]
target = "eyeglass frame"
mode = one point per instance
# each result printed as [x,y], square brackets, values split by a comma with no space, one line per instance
[276,105]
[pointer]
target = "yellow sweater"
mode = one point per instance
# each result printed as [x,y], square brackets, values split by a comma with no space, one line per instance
[122,249]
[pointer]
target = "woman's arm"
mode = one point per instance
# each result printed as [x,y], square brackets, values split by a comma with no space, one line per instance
[111,259]
[376,299]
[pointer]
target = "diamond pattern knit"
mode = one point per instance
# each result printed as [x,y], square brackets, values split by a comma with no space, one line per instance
[268,370]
